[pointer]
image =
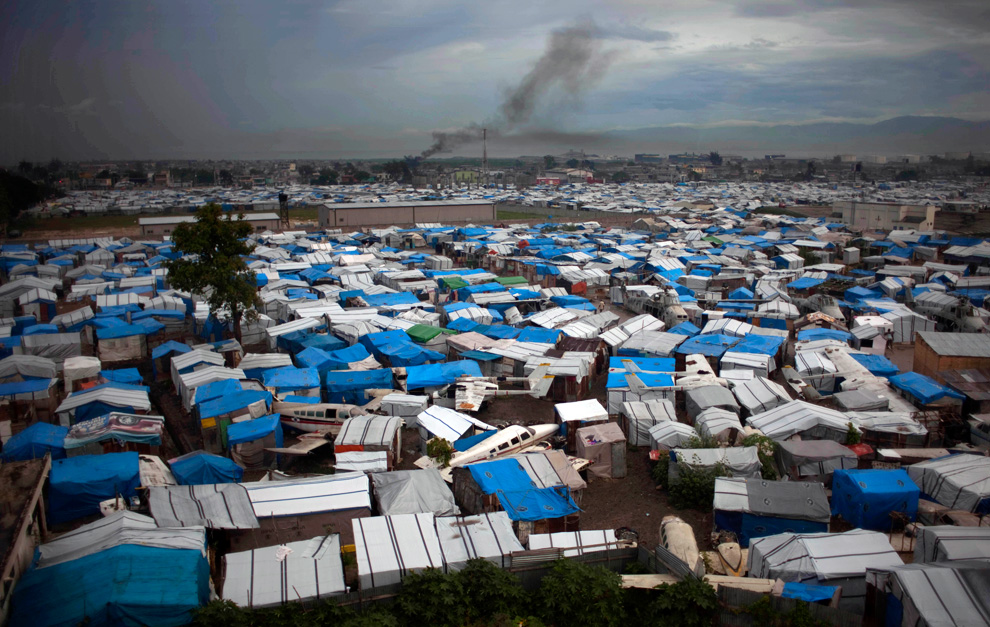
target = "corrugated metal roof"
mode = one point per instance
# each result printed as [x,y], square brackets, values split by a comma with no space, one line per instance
[957,344]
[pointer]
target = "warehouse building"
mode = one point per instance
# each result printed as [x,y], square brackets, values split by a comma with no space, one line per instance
[348,215]
[887,216]
[935,353]
[163,227]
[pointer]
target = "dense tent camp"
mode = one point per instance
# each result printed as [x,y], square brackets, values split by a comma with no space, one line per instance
[838,344]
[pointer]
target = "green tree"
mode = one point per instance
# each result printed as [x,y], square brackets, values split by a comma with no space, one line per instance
[573,593]
[398,170]
[226,178]
[25,167]
[218,270]
[327,177]
[715,158]
[549,162]
[491,591]
[305,171]
[431,597]
[362,176]
[621,177]
[573,163]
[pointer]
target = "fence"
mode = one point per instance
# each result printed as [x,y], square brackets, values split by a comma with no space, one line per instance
[732,600]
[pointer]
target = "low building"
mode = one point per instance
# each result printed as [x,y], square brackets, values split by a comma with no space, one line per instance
[935,353]
[160,227]
[347,215]
[887,216]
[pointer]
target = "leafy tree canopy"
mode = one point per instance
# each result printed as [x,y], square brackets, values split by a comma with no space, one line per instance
[219,271]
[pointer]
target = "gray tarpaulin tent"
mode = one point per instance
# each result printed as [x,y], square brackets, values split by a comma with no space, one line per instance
[390,547]
[958,482]
[413,492]
[798,417]
[274,575]
[218,506]
[670,434]
[813,459]
[719,423]
[947,543]
[640,416]
[935,595]
[485,536]
[120,528]
[573,543]
[759,395]
[698,400]
[830,559]
[742,461]
[755,508]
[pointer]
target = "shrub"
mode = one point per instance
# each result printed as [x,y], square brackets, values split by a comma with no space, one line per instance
[766,448]
[573,593]
[431,597]
[695,487]
[491,591]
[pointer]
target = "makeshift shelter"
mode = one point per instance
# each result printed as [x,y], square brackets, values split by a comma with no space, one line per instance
[349,386]
[249,440]
[638,417]
[929,595]
[102,399]
[405,406]
[813,460]
[574,416]
[441,422]
[371,434]
[125,342]
[957,482]
[945,543]
[483,536]
[214,506]
[292,572]
[719,424]
[697,400]
[812,422]
[126,584]
[604,445]
[816,370]
[759,395]
[868,498]
[670,434]
[390,547]
[754,508]
[742,462]
[78,485]
[830,559]
[35,442]
[575,543]
[925,390]
[413,492]
[115,432]
[201,468]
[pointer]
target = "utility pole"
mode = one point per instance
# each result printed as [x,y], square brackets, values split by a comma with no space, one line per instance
[484,156]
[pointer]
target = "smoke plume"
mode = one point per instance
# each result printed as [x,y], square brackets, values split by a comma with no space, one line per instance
[573,60]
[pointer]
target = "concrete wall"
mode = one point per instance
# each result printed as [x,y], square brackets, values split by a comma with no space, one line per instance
[887,216]
[348,217]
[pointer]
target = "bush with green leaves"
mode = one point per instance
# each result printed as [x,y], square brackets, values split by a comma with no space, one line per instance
[573,593]
[491,591]
[431,597]
[695,485]
[766,448]
[853,435]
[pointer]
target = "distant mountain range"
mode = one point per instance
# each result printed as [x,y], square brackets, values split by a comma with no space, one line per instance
[918,135]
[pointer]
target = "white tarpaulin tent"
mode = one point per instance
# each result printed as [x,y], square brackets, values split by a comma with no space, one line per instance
[742,461]
[581,411]
[798,417]
[948,543]
[298,497]
[958,482]
[573,543]
[670,434]
[413,492]
[718,423]
[831,559]
[936,595]
[699,399]
[759,394]
[641,416]
[390,547]
[485,536]
[275,575]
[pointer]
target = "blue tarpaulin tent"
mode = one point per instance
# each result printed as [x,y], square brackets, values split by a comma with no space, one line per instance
[865,498]
[539,335]
[125,585]
[923,388]
[290,378]
[507,480]
[876,364]
[759,344]
[685,328]
[202,468]
[78,484]
[123,375]
[808,592]
[435,375]
[348,386]
[229,403]
[824,334]
[713,345]
[251,430]
[36,441]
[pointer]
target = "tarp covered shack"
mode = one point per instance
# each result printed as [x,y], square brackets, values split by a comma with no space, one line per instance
[958,481]
[866,498]
[754,508]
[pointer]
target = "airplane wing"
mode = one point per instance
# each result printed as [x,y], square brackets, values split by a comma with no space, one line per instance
[303,447]
[630,366]
[636,384]
[540,382]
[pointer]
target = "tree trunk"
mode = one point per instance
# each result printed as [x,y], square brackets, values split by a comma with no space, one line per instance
[236,314]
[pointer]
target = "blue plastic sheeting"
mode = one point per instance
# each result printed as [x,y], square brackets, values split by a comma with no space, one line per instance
[480,356]
[824,334]
[497,331]
[316,358]
[684,328]
[341,357]
[759,344]
[570,301]
[617,380]
[923,388]
[539,335]
[435,375]
[462,325]
[348,386]
[232,402]
[170,347]
[35,442]
[374,341]
[123,375]
[748,526]
[465,443]
[41,329]
[860,293]
[202,468]
[251,430]
[123,330]
[289,378]
[217,389]
[28,386]
[646,364]
[865,498]
[808,592]
[386,300]
[876,364]
[158,313]
[125,585]
[713,345]
[521,501]
[78,484]
[309,400]
[407,353]
[805,283]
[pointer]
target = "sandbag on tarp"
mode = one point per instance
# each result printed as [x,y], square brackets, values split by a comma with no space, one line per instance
[866,498]
[35,442]
[755,508]
[79,484]
[413,492]
[436,375]
[124,585]
[202,468]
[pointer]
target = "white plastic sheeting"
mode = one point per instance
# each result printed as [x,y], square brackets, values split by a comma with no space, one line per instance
[670,434]
[798,417]
[573,543]
[641,416]
[958,482]
[947,543]
[485,536]
[759,395]
[299,497]
[390,547]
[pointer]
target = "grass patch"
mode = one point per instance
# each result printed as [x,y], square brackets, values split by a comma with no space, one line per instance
[505,214]
[80,223]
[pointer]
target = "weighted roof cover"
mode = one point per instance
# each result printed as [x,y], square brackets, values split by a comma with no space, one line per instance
[811,421]
[759,394]
[413,492]
[485,536]
[814,457]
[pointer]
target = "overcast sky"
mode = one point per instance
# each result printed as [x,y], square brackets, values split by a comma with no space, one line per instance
[121,79]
